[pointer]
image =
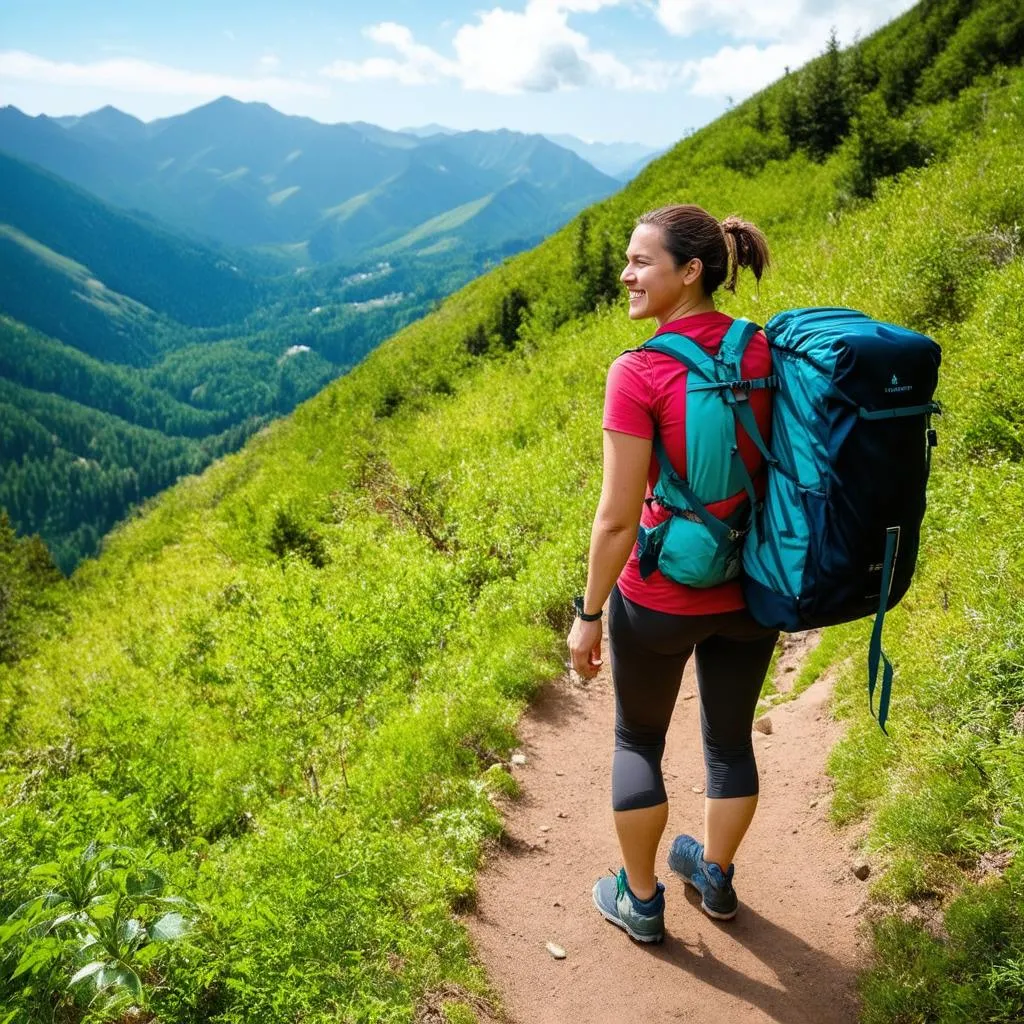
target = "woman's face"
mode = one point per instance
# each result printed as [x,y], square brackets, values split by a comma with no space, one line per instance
[656,285]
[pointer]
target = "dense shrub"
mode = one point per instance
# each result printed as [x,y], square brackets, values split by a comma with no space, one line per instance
[881,146]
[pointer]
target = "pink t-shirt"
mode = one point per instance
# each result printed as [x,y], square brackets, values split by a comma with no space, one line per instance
[647,390]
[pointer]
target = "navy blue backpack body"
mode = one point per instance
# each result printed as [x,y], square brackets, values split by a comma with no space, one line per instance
[838,532]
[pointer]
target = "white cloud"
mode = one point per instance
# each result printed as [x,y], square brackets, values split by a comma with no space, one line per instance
[792,31]
[792,21]
[740,71]
[137,76]
[507,52]
[270,61]
[537,50]
[740,19]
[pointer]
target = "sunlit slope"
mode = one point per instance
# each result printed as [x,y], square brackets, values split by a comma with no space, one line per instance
[302,742]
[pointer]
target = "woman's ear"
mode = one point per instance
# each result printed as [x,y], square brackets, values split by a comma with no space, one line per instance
[693,271]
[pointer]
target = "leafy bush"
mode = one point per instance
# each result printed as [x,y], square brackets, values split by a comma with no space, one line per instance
[97,940]
[881,146]
[289,534]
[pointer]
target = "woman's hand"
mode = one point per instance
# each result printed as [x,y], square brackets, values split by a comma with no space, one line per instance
[585,647]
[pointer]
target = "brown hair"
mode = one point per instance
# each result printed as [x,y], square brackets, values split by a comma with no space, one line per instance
[690,232]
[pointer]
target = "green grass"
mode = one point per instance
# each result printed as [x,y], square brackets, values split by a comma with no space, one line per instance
[447,221]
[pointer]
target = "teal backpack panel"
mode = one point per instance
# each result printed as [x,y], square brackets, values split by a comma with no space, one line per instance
[693,546]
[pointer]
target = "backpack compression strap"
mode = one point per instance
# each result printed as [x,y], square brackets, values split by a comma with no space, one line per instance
[719,376]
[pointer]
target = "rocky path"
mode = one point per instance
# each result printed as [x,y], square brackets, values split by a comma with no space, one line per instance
[790,956]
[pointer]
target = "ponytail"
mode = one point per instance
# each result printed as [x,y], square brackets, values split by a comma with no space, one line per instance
[747,248]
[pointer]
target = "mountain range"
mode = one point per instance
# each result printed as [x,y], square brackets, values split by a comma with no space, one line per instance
[245,175]
[621,160]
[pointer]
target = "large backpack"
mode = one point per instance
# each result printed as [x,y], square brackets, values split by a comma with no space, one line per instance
[694,545]
[849,460]
[837,534]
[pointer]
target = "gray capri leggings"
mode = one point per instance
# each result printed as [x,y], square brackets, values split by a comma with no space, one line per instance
[649,651]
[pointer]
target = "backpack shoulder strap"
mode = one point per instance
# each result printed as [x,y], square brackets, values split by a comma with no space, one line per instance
[686,350]
[735,342]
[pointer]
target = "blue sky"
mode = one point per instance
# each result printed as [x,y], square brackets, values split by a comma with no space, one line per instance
[604,70]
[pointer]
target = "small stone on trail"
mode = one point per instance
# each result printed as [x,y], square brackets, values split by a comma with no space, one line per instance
[559,773]
[556,951]
[767,746]
[557,903]
[813,804]
[519,759]
[562,814]
[861,868]
[689,696]
[696,789]
[763,725]
[545,828]
[789,668]
[795,831]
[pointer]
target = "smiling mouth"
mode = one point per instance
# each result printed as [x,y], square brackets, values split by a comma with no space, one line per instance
[634,295]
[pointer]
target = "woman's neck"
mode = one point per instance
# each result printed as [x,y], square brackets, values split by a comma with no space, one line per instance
[688,306]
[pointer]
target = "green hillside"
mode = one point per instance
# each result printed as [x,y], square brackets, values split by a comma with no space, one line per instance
[89,348]
[286,690]
[195,286]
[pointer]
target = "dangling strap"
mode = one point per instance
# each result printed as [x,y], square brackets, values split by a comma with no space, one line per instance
[875,652]
[932,437]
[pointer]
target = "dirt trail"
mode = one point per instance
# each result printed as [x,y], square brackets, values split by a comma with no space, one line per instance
[790,956]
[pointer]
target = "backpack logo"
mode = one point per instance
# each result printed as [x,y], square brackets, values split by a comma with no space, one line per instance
[895,386]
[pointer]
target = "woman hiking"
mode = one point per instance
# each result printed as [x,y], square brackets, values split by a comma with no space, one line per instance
[678,256]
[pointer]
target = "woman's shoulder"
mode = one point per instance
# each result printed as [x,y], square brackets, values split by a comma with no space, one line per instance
[630,372]
[631,362]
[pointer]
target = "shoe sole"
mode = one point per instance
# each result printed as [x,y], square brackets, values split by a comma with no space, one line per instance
[652,940]
[716,914]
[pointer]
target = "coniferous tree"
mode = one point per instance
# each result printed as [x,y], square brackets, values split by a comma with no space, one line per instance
[792,119]
[582,266]
[28,582]
[513,306]
[477,343]
[761,122]
[826,102]
[607,284]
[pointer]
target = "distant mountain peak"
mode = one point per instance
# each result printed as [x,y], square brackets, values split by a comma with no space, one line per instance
[426,130]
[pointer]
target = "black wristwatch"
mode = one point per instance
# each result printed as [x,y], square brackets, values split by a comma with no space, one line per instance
[577,603]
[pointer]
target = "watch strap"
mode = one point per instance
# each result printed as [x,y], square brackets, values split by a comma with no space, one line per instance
[577,603]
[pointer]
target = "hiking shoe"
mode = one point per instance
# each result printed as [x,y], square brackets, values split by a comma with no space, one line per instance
[718,898]
[643,920]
